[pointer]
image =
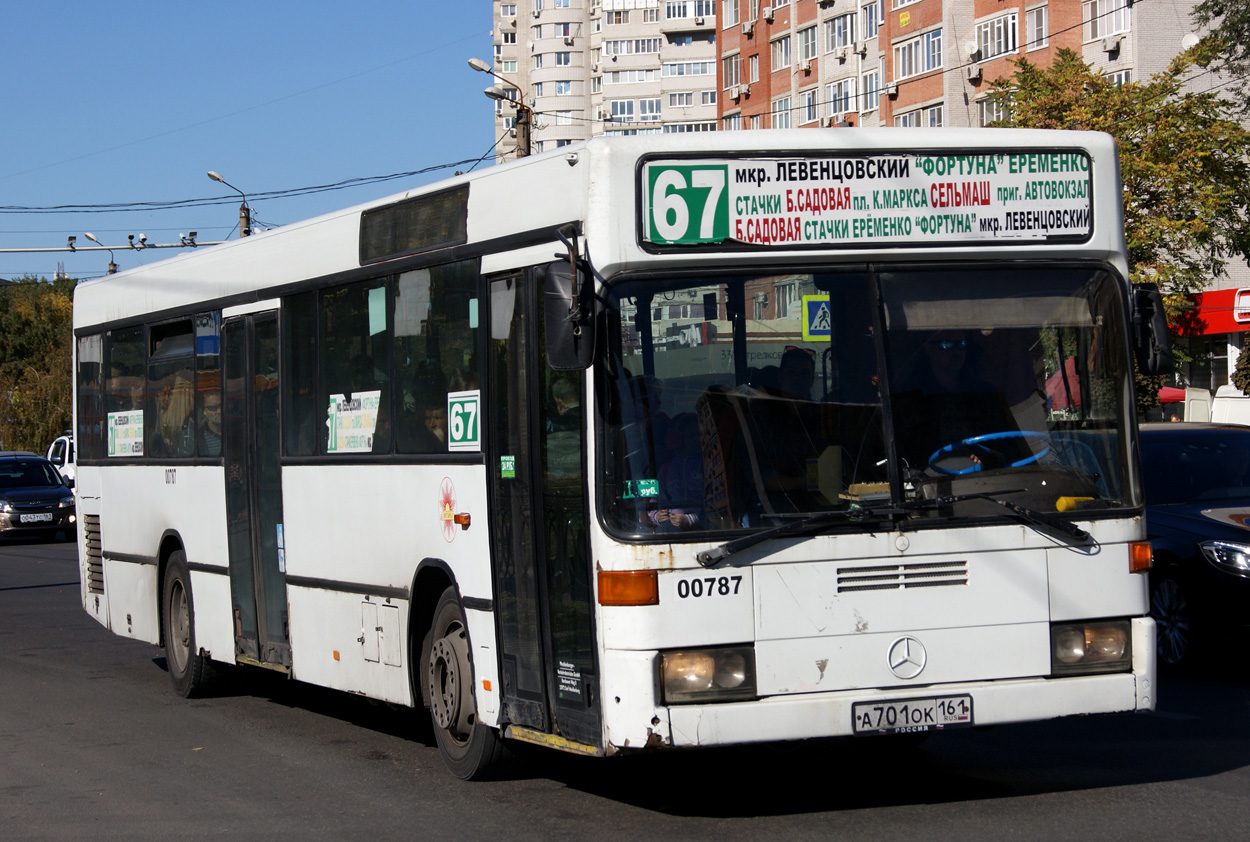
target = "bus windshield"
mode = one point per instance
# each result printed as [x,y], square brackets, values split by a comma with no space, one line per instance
[747,401]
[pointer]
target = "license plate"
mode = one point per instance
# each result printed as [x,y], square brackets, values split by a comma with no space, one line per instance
[45,517]
[908,715]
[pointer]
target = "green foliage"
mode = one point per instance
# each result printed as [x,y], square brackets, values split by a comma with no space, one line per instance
[1227,47]
[1183,162]
[1241,374]
[36,327]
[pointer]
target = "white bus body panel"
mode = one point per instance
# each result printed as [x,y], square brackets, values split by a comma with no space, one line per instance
[372,525]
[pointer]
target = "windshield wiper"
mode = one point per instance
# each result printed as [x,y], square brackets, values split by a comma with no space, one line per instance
[1047,524]
[712,557]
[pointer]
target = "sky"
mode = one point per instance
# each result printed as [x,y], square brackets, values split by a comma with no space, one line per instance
[123,103]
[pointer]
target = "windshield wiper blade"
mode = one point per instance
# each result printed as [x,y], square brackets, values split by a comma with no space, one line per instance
[712,557]
[1045,523]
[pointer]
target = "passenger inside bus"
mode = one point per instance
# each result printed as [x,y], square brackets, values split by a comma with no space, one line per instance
[682,487]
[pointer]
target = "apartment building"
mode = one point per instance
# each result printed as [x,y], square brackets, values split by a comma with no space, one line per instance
[614,67]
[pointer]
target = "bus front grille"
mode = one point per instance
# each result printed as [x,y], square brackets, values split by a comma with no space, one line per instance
[886,577]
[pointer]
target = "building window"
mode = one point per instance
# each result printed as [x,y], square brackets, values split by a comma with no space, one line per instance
[562,4]
[537,88]
[622,110]
[689,68]
[785,300]
[922,117]
[870,18]
[807,43]
[733,122]
[998,36]
[990,111]
[839,32]
[507,66]
[564,118]
[683,99]
[536,32]
[919,55]
[707,97]
[809,106]
[898,4]
[755,121]
[616,18]
[683,128]
[729,12]
[754,62]
[564,88]
[781,113]
[538,61]
[781,53]
[1120,77]
[840,97]
[631,46]
[507,10]
[870,84]
[650,15]
[649,110]
[1035,35]
[564,59]
[1105,17]
[509,37]
[730,70]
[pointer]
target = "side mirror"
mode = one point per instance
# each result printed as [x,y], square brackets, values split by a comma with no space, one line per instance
[569,318]
[1152,339]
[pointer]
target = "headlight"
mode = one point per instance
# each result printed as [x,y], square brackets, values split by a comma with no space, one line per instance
[5,507]
[1078,648]
[1229,557]
[719,674]
[65,503]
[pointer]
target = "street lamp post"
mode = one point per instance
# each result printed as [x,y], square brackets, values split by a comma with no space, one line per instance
[524,115]
[245,214]
[92,238]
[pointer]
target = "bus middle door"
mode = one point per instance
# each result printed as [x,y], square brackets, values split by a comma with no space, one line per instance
[250,445]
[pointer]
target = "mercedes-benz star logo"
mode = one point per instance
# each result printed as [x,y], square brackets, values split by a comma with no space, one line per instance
[907,657]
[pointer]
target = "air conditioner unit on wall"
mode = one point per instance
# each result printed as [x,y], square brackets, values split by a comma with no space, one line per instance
[568,40]
[1111,44]
[698,21]
[890,90]
[747,27]
[806,66]
[861,47]
[767,13]
[843,53]
[735,92]
[974,73]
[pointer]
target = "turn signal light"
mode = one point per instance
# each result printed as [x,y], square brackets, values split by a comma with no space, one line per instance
[629,587]
[1140,556]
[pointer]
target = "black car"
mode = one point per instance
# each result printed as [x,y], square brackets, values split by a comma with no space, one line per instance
[34,498]
[1197,480]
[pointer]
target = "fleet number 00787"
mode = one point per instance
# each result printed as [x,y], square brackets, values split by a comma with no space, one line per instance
[708,586]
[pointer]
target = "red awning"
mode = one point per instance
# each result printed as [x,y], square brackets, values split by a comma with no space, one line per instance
[1057,390]
[1171,394]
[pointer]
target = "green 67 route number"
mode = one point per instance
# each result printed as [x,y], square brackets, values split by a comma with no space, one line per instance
[688,204]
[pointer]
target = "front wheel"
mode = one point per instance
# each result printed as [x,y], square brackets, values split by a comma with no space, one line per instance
[471,750]
[188,669]
[1174,619]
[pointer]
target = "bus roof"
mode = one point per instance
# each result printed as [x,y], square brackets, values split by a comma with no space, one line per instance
[512,210]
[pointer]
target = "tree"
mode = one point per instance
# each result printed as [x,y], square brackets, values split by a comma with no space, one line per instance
[36,327]
[1183,161]
[1229,40]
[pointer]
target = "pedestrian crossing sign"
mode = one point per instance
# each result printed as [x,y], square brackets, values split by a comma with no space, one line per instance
[817,320]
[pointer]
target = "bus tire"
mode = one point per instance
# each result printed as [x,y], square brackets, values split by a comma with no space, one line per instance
[187,668]
[471,750]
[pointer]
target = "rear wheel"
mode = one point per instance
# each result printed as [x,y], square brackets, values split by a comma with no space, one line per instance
[470,750]
[187,668]
[1174,622]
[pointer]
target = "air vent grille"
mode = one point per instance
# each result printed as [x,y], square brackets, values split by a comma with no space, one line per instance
[888,577]
[90,525]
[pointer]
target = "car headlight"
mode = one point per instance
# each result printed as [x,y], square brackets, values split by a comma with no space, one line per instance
[5,506]
[65,503]
[716,674]
[1080,648]
[1226,556]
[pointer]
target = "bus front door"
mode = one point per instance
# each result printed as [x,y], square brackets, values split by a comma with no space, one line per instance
[540,547]
[254,490]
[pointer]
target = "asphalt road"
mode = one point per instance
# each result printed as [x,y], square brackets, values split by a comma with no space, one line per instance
[95,744]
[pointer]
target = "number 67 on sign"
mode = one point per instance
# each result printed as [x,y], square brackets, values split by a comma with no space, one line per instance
[686,204]
[463,421]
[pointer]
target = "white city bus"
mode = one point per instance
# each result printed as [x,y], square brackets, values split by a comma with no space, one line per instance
[649,442]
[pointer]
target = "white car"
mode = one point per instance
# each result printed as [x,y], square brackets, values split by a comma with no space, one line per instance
[61,454]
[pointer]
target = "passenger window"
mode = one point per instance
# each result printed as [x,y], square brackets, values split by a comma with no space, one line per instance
[170,427]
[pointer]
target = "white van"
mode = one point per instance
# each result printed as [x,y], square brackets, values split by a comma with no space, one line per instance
[61,454]
[1230,406]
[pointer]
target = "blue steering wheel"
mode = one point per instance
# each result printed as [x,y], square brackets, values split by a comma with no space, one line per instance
[972,445]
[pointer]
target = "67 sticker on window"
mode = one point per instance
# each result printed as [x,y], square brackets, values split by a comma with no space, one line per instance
[687,204]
